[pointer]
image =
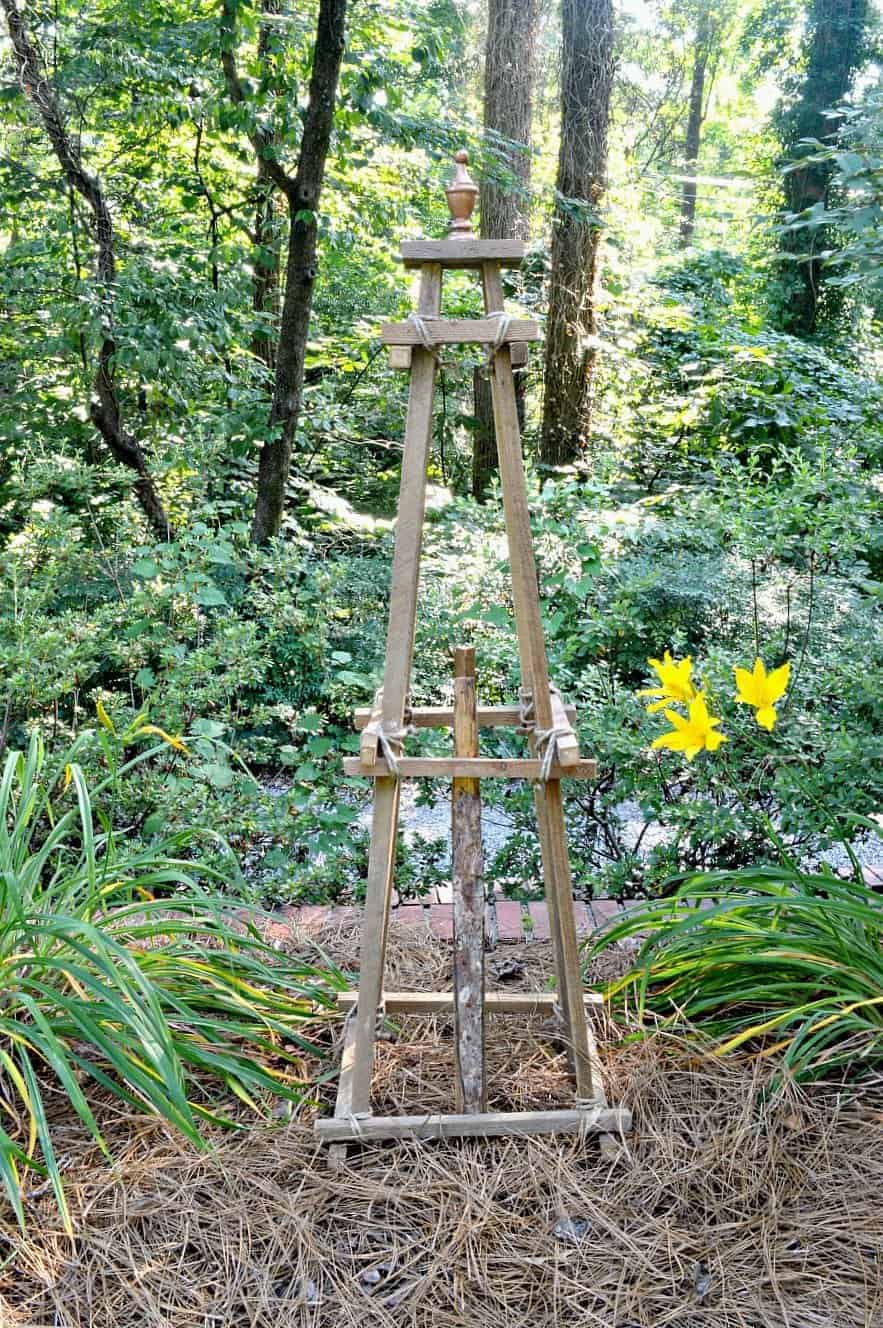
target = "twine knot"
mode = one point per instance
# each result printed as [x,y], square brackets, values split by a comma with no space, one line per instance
[424,332]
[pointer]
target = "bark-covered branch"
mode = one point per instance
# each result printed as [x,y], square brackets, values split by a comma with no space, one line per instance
[301,190]
[104,407]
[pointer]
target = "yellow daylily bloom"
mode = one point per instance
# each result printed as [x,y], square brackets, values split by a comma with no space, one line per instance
[176,742]
[694,734]
[674,675]
[104,718]
[762,690]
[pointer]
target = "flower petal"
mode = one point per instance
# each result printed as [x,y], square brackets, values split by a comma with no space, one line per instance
[747,693]
[777,683]
[766,717]
[674,740]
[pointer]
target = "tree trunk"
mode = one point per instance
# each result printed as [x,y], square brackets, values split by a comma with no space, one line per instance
[302,192]
[104,407]
[835,50]
[586,82]
[265,281]
[300,272]
[267,236]
[694,129]
[510,60]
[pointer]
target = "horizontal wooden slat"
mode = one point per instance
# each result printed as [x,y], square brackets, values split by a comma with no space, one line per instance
[495,1002]
[453,331]
[362,1129]
[468,767]
[462,253]
[442,717]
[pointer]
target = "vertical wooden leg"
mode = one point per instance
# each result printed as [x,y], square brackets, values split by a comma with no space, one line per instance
[562,925]
[344,1104]
[396,678]
[535,675]
[468,874]
[374,928]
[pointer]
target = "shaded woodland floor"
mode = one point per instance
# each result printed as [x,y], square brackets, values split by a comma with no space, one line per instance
[734,1208]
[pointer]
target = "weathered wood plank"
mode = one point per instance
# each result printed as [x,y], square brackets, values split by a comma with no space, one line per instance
[344,1104]
[469,767]
[442,717]
[439,1002]
[369,741]
[567,743]
[457,331]
[462,253]
[400,357]
[467,861]
[366,1129]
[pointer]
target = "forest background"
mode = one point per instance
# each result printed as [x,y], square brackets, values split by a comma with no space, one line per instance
[200,211]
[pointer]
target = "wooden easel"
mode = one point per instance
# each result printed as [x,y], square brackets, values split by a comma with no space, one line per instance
[554,748]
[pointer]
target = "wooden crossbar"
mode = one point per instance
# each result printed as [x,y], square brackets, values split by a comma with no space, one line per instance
[462,253]
[438,1002]
[460,331]
[442,717]
[469,767]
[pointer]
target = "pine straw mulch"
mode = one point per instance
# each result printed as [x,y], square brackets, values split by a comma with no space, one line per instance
[734,1209]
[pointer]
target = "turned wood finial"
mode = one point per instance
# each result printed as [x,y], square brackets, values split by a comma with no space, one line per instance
[461,194]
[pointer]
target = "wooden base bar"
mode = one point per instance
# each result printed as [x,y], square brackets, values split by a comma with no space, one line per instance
[581,1120]
[439,1002]
[469,767]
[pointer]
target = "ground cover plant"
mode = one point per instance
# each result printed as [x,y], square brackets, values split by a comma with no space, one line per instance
[784,964]
[120,973]
[737,1204]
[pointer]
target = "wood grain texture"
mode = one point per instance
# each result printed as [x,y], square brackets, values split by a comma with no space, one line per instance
[438,1002]
[399,357]
[469,767]
[442,717]
[467,862]
[462,253]
[588,1120]
[459,331]
[396,678]
[344,1104]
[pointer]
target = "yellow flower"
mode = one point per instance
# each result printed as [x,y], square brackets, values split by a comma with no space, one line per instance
[691,735]
[675,678]
[104,718]
[762,690]
[176,742]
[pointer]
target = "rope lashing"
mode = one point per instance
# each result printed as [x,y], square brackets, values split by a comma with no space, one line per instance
[355,1119]
[391,736]
[527,719]
[503,321]
[424,332]
[545,740]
